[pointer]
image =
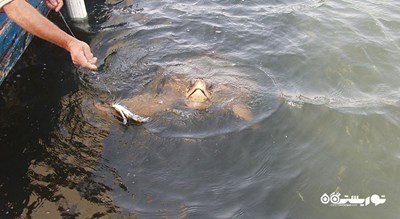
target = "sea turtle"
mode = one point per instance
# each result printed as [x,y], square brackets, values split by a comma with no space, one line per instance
[177,93]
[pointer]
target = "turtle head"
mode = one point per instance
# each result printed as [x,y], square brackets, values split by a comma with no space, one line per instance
[198,94]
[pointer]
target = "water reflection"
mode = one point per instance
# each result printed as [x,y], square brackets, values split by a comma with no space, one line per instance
[73,151]
[50,148]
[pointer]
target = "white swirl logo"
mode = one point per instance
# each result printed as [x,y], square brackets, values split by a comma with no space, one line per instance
[325,199]
[354,200]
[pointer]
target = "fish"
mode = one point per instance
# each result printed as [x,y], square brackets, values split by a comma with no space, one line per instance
[127,114]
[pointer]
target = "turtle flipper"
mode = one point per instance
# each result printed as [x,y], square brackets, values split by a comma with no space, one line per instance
[242,112]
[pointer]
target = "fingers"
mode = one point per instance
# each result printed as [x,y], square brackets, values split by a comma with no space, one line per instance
[50,5]
[81,54]
[84,57]
[90,59]
[60,3]
[55,4]
[84,62]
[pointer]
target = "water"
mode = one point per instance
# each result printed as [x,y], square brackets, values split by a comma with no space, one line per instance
[323,77]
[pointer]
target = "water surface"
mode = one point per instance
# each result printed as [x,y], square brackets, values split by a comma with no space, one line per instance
[324,82]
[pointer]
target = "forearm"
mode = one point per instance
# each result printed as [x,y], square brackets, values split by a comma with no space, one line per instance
[31,20]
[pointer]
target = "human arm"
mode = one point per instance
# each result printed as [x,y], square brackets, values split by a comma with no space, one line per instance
[32,21]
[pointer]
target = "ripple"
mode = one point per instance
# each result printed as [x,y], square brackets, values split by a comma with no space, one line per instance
[323,83]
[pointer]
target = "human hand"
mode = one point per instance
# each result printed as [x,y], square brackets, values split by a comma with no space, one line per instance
[81,54]
[54,4]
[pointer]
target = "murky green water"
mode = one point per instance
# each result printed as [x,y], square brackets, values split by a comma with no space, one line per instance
[323,79]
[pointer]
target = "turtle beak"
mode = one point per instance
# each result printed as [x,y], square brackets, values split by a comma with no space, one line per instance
[190,92]
[203,88]
[207,94]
